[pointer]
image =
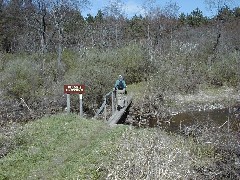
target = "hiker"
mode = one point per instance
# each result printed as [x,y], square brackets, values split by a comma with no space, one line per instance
[120,89]
[120,84]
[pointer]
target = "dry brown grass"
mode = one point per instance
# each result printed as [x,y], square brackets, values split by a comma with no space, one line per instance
[153,154]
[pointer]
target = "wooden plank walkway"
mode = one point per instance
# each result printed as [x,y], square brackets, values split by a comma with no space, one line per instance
[114,119]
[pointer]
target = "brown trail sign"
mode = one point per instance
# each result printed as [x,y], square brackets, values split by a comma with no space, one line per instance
[74,89]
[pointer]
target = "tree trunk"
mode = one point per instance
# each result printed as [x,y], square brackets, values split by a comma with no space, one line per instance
[60,49]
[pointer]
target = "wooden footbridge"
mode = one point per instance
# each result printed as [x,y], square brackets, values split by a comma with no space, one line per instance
[116,113]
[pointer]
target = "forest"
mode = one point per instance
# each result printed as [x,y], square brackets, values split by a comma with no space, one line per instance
[44,45]
[172,62]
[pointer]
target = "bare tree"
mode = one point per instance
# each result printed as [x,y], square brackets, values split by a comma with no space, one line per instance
[149,7]
[58,13]
[114,9]
[114,13]
[48,18]
[171,9]
[215,5]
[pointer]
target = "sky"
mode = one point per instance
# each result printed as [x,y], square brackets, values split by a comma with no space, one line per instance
[132,7]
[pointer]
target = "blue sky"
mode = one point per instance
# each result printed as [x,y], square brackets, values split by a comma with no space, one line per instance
[132,7]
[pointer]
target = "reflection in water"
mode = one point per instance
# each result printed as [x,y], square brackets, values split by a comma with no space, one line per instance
[218,116]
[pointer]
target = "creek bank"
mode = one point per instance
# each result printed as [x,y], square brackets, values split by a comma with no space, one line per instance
[153,111]
[204,100]
[200,108]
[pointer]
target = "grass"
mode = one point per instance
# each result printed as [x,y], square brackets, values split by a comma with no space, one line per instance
[154,154]
[69,147]
[60,147]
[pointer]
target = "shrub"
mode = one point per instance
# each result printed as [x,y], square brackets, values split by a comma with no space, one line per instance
[135,63]
[98,70]
[21,78]
[225,69]
[178,73]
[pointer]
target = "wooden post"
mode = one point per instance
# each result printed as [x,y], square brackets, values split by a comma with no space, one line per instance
[116,105]
[105,109]
[113,108]
[81,105]
[229,112]
[68,103]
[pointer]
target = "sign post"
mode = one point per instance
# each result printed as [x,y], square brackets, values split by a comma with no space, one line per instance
[68,103]
[81,107]
[74,89]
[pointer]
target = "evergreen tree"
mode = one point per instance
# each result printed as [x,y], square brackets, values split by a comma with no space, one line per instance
[196,18]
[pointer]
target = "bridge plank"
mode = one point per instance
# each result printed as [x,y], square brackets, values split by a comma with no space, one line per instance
[118,114]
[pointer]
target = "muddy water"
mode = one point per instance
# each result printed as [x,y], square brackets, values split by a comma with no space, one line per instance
[218,117]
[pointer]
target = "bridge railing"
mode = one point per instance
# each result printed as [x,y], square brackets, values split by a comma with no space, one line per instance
[103,107]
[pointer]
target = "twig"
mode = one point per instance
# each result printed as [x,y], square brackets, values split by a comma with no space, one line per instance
[26,104]
[222,124]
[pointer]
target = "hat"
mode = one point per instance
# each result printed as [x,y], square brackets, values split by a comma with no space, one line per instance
[120,76]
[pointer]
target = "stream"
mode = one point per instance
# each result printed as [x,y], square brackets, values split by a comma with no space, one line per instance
[220,117]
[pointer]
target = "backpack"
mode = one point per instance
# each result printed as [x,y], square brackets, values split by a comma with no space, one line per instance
[120,85]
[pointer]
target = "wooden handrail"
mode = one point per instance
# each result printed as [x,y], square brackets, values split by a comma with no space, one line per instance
[105,103]
[108,94]
[116,115]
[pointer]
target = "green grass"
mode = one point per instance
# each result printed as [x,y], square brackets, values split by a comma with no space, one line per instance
[60,147]
[69,147]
